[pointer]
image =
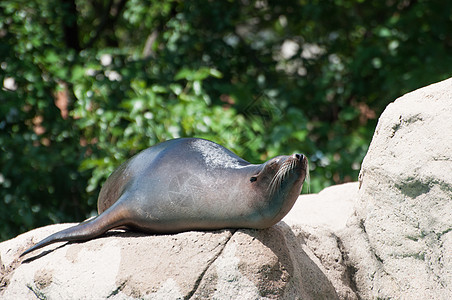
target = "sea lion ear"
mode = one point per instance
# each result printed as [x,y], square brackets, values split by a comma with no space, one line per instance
[253,178]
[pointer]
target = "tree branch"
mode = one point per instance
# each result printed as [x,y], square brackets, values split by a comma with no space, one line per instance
[147,50]
[70,27]
[107,19]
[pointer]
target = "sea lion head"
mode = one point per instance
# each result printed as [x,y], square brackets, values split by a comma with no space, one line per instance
[282,174]
[279,182]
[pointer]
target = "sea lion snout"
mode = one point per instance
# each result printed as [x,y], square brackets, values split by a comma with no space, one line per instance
[298,156]
[301,160]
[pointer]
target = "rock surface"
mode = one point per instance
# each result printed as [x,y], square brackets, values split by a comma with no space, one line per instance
[388,236]
[300,261]
[400,243]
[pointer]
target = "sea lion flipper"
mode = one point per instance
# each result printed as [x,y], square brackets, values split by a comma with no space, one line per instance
[54,238]
[113,217]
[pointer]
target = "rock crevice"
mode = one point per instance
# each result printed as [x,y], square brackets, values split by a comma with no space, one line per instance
[209,264]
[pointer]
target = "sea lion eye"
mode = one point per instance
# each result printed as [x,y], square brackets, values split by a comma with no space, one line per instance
[253,179]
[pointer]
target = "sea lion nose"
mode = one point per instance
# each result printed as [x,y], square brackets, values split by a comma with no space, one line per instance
[298,156]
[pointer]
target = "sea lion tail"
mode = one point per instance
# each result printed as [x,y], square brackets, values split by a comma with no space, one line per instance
[111,218]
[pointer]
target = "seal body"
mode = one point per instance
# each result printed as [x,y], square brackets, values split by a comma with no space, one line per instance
[191,184]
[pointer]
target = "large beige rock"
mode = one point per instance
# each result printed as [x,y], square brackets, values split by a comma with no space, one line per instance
[118,265]
[400,243]
[245,264]
[300,261]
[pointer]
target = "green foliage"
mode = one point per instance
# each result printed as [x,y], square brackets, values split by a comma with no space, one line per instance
[86,84]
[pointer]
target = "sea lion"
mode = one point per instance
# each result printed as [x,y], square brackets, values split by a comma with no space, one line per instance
[191,184]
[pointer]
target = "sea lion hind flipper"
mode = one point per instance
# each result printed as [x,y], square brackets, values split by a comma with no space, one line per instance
[113,217]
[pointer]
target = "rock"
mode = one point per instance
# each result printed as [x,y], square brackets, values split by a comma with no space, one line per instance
[118,264]
[316,222]
[242,264]
[282,262]
[400,242]
[329,209]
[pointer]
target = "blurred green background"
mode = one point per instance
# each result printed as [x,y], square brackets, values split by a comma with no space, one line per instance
[88,83]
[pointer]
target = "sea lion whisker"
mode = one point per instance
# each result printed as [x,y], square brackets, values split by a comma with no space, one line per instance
[274,183]
[281,175]
[271,186]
